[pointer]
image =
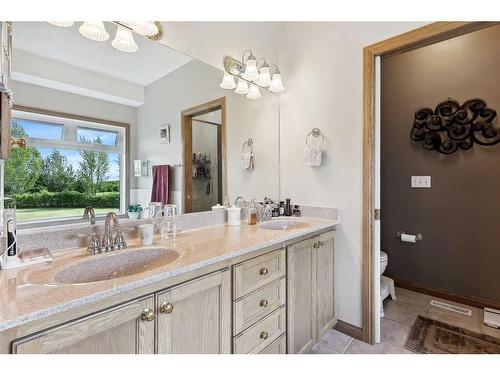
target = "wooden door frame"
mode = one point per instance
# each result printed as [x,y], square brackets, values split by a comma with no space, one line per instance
[423,36]
[187,145]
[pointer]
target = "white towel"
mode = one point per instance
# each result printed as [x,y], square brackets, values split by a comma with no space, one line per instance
[247,161]
[314,155]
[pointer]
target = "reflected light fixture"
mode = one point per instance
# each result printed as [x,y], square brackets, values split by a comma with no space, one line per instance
[242,87]
[228,82]
[124,40]
[276,83]
[94,30]
[62,23]
[265,77]
[146,28]
[251,73]
[254,92]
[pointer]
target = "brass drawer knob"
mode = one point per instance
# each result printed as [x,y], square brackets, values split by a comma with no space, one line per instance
[264,271]
[315,245]
[321,243]
[264,303]
[264,335]
[148,315]
[166,308]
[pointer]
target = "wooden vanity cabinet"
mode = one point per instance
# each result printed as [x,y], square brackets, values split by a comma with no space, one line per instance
[195,317]
[124,329]
[310,285]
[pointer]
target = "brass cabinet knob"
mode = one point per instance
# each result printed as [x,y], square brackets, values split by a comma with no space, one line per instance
[264,303]
[264,335]
[315,245]
[264,271]
[166,308]
[321,243]
[148,315]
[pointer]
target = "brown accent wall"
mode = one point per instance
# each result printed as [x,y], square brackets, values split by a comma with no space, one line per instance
[459,215]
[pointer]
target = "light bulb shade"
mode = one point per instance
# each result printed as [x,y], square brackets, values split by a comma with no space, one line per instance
[124,40]
[251,73]
[94,30]
[265,77]
[254,92]
[228,82]
[242,87]
[276,84]
[147,28]
[62,23]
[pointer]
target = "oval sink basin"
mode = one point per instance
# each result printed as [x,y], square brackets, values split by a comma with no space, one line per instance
[283,224]
[115,265]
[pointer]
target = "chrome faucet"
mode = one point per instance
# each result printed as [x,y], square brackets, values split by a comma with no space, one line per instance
[239,199]
[89,213]
[110,243]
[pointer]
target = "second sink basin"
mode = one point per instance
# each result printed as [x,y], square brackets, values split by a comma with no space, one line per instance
[283,224]
[115,265]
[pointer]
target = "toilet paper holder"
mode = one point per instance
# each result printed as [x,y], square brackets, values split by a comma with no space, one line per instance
[418,236]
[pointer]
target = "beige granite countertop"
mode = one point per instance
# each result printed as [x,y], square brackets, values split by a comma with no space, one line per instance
[31,293]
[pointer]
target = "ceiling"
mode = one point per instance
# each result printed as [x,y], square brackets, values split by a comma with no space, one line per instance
[151,62]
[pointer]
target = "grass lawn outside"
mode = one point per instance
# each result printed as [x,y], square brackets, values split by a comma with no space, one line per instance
[35,214]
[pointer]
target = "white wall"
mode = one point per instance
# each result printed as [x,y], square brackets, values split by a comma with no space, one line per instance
[321,65]
[193,84]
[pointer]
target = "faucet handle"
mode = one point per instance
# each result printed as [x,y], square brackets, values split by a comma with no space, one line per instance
[119,241]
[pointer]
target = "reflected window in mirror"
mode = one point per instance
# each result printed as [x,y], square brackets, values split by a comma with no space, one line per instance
[69,163]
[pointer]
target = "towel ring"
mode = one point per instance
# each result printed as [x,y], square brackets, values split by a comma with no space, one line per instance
[248,143]
[315,132]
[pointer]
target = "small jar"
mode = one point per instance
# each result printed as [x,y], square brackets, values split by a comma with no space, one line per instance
[233,215]
[252,216]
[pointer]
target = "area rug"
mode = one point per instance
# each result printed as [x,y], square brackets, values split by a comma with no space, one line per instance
[429,336]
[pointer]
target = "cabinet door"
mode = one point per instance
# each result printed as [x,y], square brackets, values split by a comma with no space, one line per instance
[325,301]
[195,317]
[118,330]
[301,326]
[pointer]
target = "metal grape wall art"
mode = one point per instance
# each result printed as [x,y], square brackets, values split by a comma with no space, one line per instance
[452,126]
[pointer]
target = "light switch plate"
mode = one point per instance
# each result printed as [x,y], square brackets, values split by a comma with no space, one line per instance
[421,181]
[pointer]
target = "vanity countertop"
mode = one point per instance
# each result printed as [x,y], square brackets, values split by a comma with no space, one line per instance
[29,294]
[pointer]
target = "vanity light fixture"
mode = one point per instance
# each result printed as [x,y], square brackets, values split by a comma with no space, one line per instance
[124,39]
[94,30]
[228,82]
[251,76]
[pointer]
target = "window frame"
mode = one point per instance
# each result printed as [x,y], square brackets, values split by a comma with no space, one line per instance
[71,122]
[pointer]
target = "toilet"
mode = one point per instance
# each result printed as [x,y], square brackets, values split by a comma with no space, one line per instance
[386,283]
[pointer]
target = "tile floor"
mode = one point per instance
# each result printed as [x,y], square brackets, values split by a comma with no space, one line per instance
[395,326]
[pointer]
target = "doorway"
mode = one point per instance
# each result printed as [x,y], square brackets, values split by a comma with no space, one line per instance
[204,142]
[435,32]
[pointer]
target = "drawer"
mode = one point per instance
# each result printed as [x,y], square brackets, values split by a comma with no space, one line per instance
[278,346]
[257,272]
[254,306]
[260,335]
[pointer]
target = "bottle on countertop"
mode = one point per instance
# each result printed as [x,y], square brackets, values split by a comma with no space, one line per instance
[282,208]
[252,213]
[296,210]
[288,208]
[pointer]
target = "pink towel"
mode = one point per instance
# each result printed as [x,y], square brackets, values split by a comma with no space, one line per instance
[161,184]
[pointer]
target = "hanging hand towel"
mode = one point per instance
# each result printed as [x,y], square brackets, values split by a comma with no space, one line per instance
[314,155]
[247,160]
[161,184]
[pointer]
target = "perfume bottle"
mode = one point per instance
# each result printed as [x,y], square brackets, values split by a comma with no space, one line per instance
[288,208]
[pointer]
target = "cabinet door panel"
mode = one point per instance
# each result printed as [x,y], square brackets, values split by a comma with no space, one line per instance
[301,326]
[200,319]
[118,330]
[325,299]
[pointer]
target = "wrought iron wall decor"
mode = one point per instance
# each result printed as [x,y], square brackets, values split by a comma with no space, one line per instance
[452,126]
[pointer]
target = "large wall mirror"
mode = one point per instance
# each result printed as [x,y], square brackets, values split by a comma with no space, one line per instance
[107,128]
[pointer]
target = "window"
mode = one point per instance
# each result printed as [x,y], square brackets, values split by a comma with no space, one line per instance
[69,164]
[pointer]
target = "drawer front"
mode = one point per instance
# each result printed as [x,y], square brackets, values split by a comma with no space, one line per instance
[253,307]
[257,272]
[259,336]
[276,347]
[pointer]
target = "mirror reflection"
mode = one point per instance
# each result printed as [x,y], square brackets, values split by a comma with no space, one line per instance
[118,130]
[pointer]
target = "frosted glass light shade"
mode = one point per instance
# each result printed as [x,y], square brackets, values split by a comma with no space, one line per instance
[254,92]
[228,82]
[242,87]
[124,40]
[94,30]
[265,77]
[62,23]
[276,84]
[147,28]
[251,73]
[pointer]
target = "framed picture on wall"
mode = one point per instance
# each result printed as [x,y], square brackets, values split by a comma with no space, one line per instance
[165,133]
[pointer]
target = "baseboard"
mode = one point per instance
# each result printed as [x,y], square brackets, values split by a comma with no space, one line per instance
[441,293]
[349,329]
